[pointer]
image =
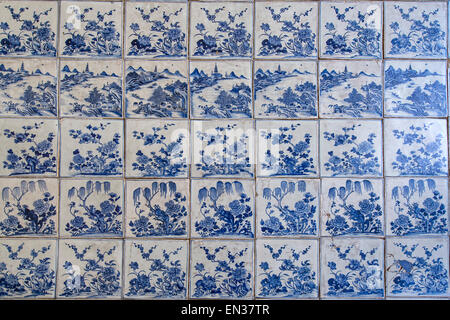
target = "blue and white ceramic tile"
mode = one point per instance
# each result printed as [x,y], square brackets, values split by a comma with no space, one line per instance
[286,29]
[28,28]
[89,269]
[415,147]
[29,207]
[350,89]
[91,208]
[221,89]
[90,29]
[221,30]
[415,30]
[156,30]
[417,266]
[156,89]
[352,207]
[287,207]
[415,88]
[221,269]
[27,268]
[157,148]
[287,269]
[351,30]
[157,208]
[416,206]
[285,89]
[91,147]
[352,268]
[155,269]
[222,149]
[29,147]
[222,208]
[91,88]
[351,148]
[28,87]
[287,148]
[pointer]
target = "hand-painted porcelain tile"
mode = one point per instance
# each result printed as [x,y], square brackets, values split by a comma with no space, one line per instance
[156,89]
[350,148]
[27,268]
[415,147]
[352,207]
[157,148]
[222,208]
[415,88]
[351,30]
[29,147]
[221,269]
[417,266]
[286,29]
[287,269]
[28,28]
[91,88]
[91,208]
[156,30]
[287,148]
[157,208]
[350,89]
[222,149]
[415,30]
[90,29]
[156,269]
[285,89]
[221,89]
[352,268]
[221,30]
[89,269]
[416,206]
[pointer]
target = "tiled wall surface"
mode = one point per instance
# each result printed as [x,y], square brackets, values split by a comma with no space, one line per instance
[224,149]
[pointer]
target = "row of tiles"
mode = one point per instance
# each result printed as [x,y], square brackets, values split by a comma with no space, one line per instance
[212,148]
[223,89]
[349,268]
[226,208]
[225,29]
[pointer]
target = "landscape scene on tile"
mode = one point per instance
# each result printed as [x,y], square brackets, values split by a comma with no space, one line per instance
[240,149]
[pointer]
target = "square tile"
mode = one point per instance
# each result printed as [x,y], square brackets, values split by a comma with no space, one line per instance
[352,207]
[415,30]
[221,30]
[156,269]
[416,147]
[415,88]
[417,267]
[157,208]
[91,147]
[30,147]
[350,89]
[91,208]
[285,89]
[156,30]
[91,88]
[157,148]
[92,29]
[29,207]
[352,268]
[287,148]
[221,269]
[350,148]
[156,89]
[222,208]
[416,206]
[286,29]
[221,89]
